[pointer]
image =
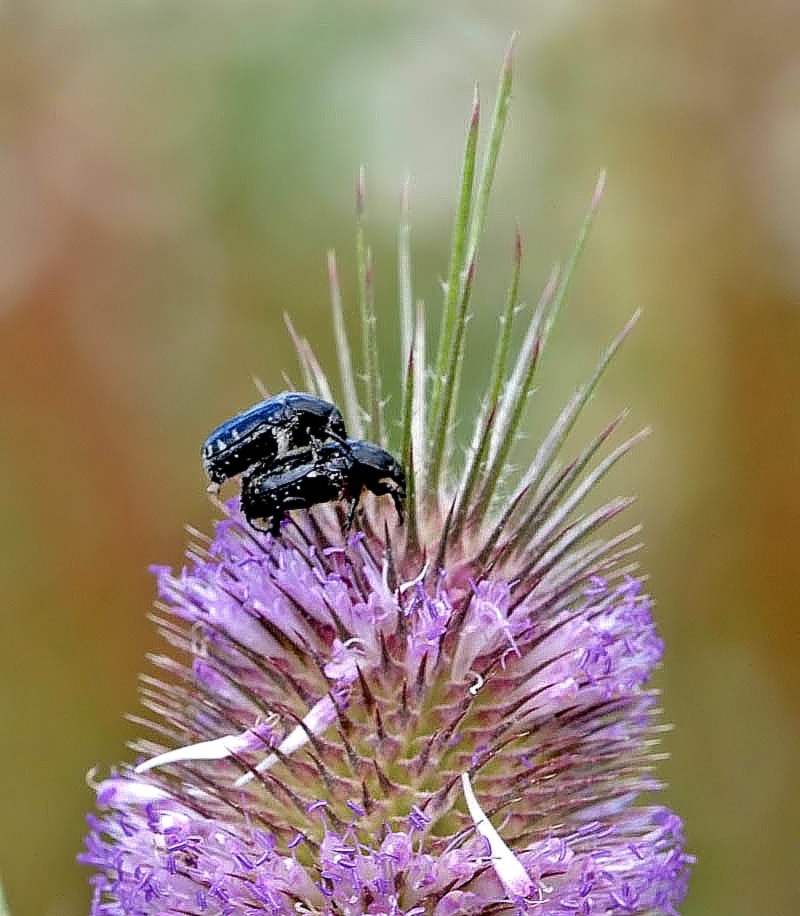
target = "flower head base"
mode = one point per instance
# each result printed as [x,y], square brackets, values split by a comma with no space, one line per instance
[445,717]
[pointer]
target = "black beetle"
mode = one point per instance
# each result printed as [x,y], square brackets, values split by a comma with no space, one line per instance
[268,430]
[335,470]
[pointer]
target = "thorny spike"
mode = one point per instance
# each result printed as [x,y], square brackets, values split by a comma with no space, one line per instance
[484,426]
[568,504]
[419,684]
[580,243]
[419,411]
[515,397]
[453,287]
[441,550]
[573,535]
[404,711]
[500,360]
[380,425]
[352,411]
[379,731]
[260,387]
[501,107]
[476,223]
[369,338]
[588,561]
[408,408]
[386,662]
[387,787]
[419,762]
[482,558]
[477,455]
[366,798]
[549,495]
[566,420]
[391,569]
[317,372]
[404,278]
[442,429]
[366,693]
[412,532]
[302,356]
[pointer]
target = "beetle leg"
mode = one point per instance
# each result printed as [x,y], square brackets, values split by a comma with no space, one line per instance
[259,528]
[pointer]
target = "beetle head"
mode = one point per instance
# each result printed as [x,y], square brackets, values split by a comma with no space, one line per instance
[379,471]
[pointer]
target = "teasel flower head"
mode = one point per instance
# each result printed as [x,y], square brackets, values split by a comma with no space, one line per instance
[445,715]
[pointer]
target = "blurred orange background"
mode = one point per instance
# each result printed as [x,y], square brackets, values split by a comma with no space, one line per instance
[171,177]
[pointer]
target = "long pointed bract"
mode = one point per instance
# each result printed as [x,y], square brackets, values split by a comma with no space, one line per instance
[441,432]
[499,118]
[404,292]
[560,296]
[513,403]
[352,411]
[419,405]
[485,422]
[566,420]
[452,293]
[369,321]
[454,342]
[530,538]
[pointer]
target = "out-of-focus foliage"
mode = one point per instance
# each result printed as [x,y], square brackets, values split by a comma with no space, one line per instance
[171,176]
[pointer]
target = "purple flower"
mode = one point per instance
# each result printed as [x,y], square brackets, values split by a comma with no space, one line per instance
[446,716]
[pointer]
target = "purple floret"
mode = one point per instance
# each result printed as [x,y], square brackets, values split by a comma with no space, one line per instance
[545,706]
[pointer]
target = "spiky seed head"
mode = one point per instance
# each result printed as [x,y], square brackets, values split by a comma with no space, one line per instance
[445,716]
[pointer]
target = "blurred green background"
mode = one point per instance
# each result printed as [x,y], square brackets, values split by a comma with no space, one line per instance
[171,176]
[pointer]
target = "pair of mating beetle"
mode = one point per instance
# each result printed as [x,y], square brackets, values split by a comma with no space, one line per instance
[293,453]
